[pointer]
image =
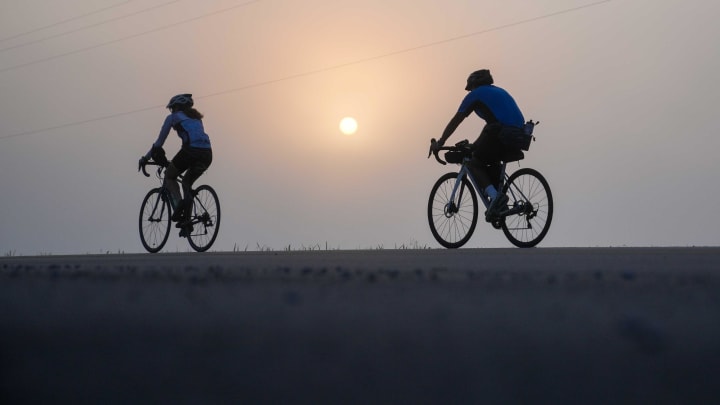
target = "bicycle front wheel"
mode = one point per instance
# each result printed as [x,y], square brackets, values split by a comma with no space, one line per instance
[154,221]
[532,203]
[452,222]
[205,218]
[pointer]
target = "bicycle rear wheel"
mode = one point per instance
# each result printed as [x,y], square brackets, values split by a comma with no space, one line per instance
[531,198]
[205,218]
[452,222]
[154,221]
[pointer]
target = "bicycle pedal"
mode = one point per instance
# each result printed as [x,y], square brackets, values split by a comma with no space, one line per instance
[186,231]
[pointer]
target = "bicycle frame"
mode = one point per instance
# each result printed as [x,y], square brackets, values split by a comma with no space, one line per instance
[197,206]
[453,208]
[164,192]
[200,226]
[465,171]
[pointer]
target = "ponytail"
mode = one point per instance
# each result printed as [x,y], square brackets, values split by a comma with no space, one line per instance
[193,113]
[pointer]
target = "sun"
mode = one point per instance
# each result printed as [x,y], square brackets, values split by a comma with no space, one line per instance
[348,125]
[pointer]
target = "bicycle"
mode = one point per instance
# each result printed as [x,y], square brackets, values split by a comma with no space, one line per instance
[200,227]
[453,204]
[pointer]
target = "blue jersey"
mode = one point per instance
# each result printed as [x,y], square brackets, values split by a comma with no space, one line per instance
[494,105]
[190,130]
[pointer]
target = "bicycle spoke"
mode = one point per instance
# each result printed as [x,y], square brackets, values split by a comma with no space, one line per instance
[205,218]
[154,224]
[529,223]
[452,222]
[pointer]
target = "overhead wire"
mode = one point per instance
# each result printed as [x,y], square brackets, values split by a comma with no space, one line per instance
[321,70]
[157,29]
[87,26]
[405,50]
[34,30]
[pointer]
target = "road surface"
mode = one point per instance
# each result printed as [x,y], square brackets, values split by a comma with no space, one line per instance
[474,326]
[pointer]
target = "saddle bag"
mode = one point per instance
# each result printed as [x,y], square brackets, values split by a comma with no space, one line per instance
[519,138]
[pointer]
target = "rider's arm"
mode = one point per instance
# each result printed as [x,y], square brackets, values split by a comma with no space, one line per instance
[164,132]
[458,118]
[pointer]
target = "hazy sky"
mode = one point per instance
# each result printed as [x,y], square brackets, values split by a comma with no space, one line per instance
[625,91]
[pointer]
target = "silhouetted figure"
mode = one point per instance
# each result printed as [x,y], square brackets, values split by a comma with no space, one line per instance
[503,119]
[194,157]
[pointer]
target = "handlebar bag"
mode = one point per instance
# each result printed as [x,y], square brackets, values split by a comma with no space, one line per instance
[455,156]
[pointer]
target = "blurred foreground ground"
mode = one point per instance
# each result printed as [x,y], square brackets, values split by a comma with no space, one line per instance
[575,326]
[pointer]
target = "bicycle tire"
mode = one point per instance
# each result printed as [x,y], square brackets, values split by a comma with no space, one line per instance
[154,224]
[518,229]
[205,218]
[451,226]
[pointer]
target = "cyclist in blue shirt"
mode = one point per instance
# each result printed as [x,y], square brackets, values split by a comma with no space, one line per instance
[194,157]
[502,116]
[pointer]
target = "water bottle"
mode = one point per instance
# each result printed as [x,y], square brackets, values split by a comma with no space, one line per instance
[529,127]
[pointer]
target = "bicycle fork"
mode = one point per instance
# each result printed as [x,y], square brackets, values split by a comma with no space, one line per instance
[158,210]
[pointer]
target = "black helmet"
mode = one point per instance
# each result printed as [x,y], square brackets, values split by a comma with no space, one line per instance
[181,100]
[478,78]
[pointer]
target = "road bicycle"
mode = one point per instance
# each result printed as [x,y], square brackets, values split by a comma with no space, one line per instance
[453,204]
[200,227]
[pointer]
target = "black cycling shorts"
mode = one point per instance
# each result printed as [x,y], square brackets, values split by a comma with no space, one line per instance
[192,158]
[488,147]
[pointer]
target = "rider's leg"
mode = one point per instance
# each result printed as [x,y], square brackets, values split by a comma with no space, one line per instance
[487,150]
[171,183]
[180,163]
[201,161]
[481,175]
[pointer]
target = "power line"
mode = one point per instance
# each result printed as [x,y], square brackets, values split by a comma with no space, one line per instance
[321,70]
[49,58]
[72,124]
[87,26]
[63,21]
[406,50]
